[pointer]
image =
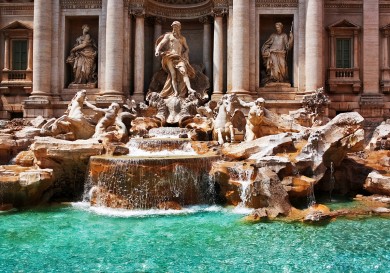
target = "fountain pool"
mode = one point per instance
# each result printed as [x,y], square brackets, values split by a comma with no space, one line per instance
[80,238]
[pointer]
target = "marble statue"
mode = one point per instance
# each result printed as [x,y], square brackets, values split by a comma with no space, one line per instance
[228,118]
[274,52]
[109,118]
[253,121]
[73,124]
[174,50]
[82,58]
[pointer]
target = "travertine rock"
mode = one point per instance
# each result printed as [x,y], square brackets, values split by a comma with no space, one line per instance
[24,186]
[380,139]
[331,143]
[69,161]
[268,145]
[377,183]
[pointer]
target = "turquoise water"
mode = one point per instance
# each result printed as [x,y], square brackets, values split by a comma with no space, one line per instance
[81,239]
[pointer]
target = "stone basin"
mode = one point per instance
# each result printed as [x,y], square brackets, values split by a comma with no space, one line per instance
[139,182]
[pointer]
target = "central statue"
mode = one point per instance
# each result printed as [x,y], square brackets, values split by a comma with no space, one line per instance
[174,50]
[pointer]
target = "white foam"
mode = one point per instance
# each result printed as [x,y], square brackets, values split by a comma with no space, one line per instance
[186,149]
[242,210]
[112,212]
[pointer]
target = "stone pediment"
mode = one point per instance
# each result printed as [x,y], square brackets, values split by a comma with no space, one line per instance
[343,24]
[17,25]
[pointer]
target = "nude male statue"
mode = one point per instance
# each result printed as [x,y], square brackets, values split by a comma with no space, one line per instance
[173,48]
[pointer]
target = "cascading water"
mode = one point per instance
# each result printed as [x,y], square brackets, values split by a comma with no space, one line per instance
[332,181]
[154,172]
[311,198]
[244,178]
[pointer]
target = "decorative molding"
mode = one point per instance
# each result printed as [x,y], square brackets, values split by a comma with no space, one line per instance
[371,100]
[81,4]
[337,4]
[277,3]
[178,11]
[17,9]
[180,2]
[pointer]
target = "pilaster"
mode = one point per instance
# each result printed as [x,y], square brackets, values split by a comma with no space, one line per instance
[314,44]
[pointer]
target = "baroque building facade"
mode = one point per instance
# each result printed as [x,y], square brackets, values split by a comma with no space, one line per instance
[342,46]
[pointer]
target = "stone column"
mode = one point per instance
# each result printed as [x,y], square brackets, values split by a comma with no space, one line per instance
[332,51]
[207,46]
[157,34]
[114,50]
[6,53]
[385,50]
[314,46]
[218,52]
[371,46]
[139,56]
[229,49]
[355,49]
[42,44]
[240,48]
[30,53]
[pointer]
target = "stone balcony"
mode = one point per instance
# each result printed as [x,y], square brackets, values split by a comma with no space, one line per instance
[16,79]
[344,80]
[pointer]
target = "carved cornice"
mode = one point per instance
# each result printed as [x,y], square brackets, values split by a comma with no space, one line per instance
[179,11]
[221,7]
[81,4]
[17,9]
[137,8]
[337,4]
[277,3]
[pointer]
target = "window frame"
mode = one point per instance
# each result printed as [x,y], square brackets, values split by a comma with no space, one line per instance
[12,53]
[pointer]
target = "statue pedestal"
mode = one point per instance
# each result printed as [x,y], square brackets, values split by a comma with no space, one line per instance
[106,100]
[280,97]
[68,93]
[82,85]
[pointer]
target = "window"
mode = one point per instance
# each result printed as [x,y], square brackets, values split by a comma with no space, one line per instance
[19,54]
[343,55]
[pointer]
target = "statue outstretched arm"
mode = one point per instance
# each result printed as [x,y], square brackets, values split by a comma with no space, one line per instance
[161,44]
[93,107]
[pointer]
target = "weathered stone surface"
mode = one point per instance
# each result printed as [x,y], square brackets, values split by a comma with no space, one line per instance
[24,186]
[377,183]
[27,133]
[298,186]
[25,159]
[263,189]
[331,143]
[380,139]
[38,122]
[69,161]
[268,145]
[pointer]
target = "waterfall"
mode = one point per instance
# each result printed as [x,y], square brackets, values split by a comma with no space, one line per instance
[311,199]
[244,178]
[332,180]
[145,182]
[160,147]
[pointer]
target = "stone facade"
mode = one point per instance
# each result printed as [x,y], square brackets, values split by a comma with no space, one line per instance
[340,45]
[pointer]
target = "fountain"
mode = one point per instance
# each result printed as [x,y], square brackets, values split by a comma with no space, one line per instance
[157,172]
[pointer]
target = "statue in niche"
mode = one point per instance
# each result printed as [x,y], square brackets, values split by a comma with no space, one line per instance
[274,52]
[174,50]
[82,58]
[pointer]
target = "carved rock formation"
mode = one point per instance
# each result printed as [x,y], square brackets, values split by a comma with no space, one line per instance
[24,186]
